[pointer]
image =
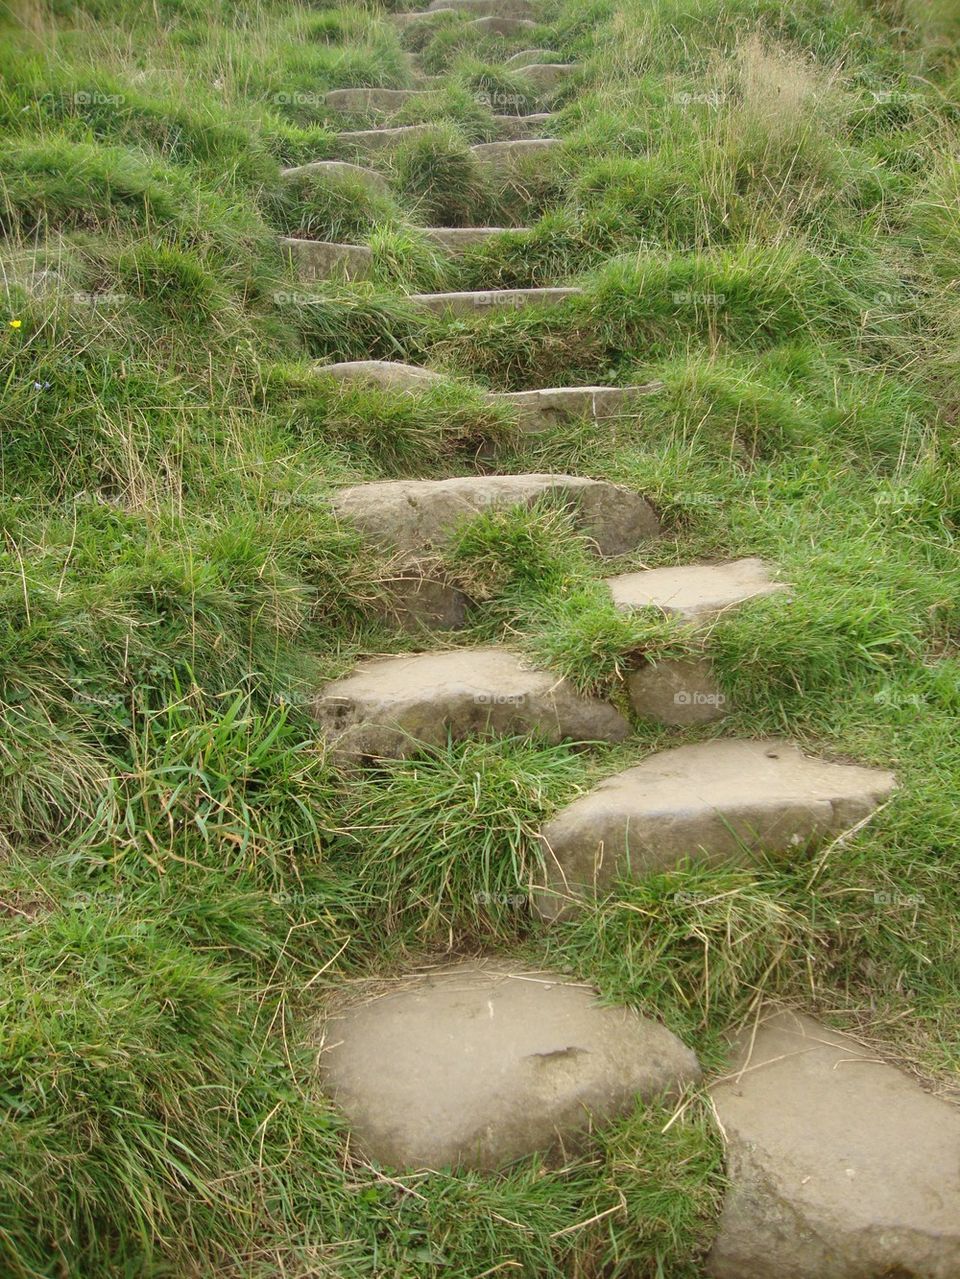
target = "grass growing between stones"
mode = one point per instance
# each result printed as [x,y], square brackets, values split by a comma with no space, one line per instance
[760,203]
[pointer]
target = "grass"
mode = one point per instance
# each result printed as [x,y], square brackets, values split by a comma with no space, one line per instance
[760,204]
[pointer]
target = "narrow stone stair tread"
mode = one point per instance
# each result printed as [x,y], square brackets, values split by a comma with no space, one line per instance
[486,8]
[694,592]
[382,373]
[501,25]
[388,706]
[468,303]
[322,260]
[372,99]
[377,139]
[339,169]
[479,1063]
[500,155]
[840,1165]
[551,405]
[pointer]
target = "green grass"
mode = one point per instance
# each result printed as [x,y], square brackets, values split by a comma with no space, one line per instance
[760,203]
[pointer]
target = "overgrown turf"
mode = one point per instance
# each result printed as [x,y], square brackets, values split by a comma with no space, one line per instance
[760,202]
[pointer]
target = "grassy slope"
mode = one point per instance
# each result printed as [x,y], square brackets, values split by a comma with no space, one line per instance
[762,202]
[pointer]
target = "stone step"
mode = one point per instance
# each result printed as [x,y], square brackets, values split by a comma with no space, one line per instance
[419,16]
[547,75]
[527,57]
[380,139]
[683,691]
[839,1164]
[720,800]
[479,1063]
[492,300]
[359,100]
[486,8]
[382,373]
[456,239]
[389,707]
[417,517]
[514,128]
[502,155]
[320,260]
[498,25]
[339,169]
[540,410]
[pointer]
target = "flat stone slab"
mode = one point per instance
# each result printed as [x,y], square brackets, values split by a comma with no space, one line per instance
[381,139]
[841,1166]
[497,25]
[548,75]
[389,706]
[527,57]
[501,155]
[383,373]
[417,517]
[420,15]
[543,409]
[357,100]
[339,170]
[486,8]
[718,800]
[321,260]
[456,239]
[492,299]
[481,1063]
[695,593]
[513,128]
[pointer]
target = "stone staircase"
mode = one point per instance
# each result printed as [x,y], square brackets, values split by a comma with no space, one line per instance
[833,1173]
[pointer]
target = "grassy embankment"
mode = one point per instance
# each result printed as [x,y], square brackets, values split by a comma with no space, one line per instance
[763,204]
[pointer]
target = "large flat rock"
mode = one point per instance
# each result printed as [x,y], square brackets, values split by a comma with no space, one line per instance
[388,706]
[386,374]
[480,1063]
[504,155]
[552,406]
[486,8]
[694,593]
[417,517]
[322,260]
[339,170]
[841,1167]
[488,300]
[719,800]
[359,100]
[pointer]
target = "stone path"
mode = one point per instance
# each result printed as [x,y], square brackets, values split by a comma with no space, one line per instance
[838,1173]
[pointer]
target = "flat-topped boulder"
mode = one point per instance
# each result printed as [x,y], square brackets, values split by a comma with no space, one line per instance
[678,691]
[527,57]
[383,373]
[723,800]
[339,170]
[477,1064]
[840,1166]
[502,155]
[456,239]
[359,100]
[548,75]
[542,409]
[486,8]
[418,517]
[498,25]
[513,128]
[695,593]
[380,139]
[321,260]
[389,707]
[492,299]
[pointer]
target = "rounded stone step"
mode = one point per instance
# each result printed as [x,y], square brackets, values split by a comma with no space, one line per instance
[358,100]
[719,800]
[543,409]
[528,57]
[492,299]
[548,75]
[457,239]
[503,155]
[382,373]
[320,260]
[497,25]
[479,1063]
[339,169]
[380,139]
[417,517]
[840,1166]
[516,128]
[695,593]
[420,15]
[389,706]
[486,8]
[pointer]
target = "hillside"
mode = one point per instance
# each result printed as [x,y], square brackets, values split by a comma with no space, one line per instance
[650,287]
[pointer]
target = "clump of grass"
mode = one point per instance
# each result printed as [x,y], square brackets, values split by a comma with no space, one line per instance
[404,257]
[441,178]
[342,208]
